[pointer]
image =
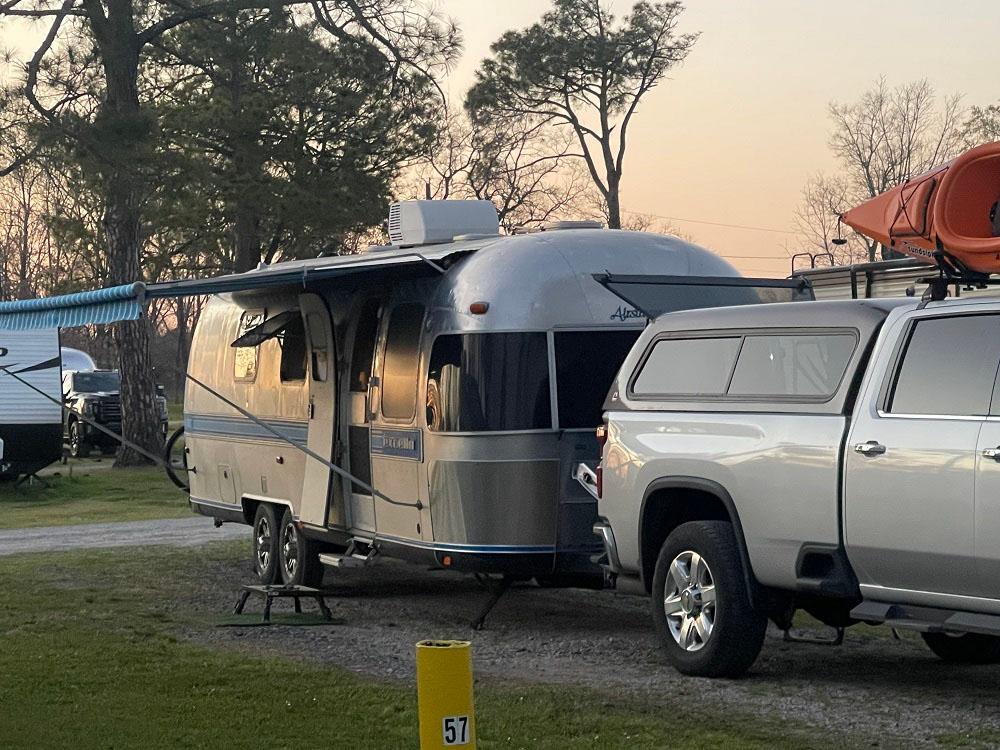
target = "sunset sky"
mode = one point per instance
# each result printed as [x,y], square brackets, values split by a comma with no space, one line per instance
[742,124]
[737,130]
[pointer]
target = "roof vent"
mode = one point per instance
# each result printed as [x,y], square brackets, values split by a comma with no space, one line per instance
[414,223]
[555,226]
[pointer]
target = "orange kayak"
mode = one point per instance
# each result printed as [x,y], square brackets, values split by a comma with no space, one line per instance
[953,208]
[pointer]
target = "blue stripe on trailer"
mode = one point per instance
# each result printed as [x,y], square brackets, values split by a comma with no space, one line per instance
[217,425]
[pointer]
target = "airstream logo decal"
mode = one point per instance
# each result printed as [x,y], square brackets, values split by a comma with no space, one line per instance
[397,443]
[626,313]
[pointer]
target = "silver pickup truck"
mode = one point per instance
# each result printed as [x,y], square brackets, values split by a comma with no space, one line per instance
[837,457]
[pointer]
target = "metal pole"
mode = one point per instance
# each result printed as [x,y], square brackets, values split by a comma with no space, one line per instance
[444,695]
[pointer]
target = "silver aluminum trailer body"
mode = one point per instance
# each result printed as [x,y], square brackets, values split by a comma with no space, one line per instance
[462,386]
[30,423]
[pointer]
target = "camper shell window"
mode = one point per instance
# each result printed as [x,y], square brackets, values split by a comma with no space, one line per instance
[402,362]
[488,382]
[586,365]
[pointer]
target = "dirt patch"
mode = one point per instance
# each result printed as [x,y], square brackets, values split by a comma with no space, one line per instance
[884,692]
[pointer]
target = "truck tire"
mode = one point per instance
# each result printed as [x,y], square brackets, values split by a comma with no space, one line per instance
[968,648]
[298,556]
[265,544]
[78,445]
[701,607]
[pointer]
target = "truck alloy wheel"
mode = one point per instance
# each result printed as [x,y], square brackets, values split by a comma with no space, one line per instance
[690,604]
[701,605]
[78,446]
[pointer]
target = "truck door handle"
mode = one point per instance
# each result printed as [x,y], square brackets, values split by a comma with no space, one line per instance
[993,453]
[871,448]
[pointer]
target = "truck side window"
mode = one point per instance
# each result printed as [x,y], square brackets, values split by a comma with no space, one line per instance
[948,367]
[586,365]
[689,367]
[293,351]
[486,382]
[402,360]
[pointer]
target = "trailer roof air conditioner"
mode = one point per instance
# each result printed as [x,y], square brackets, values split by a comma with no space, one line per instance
[414,223]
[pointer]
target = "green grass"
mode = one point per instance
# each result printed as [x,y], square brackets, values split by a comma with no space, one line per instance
[980,739]
[91,497]
[90,660]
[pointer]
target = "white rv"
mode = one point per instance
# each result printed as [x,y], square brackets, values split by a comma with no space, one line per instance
[30,421]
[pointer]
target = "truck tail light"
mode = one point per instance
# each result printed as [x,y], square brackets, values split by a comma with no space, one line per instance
[602,439]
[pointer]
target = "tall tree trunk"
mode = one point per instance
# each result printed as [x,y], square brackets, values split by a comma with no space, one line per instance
[122,124]
[247,236]
[614,202]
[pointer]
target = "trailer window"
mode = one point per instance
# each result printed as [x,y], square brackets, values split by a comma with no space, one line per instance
[806,365]
[687,367]
[586,365]
[363,351]
[293,351]
[247,357]
[402,362]
[484,382]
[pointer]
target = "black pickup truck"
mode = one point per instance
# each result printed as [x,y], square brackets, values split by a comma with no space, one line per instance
[95,394]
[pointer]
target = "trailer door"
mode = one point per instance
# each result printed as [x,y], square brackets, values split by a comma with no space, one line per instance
[317,508]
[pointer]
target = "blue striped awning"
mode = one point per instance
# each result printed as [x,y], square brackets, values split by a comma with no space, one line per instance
[68,310]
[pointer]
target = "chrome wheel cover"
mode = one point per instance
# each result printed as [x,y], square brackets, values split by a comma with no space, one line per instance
[290,550]
[689,601]
[262,540]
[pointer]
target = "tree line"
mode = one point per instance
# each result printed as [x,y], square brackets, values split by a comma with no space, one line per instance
[163,139]
[887,136]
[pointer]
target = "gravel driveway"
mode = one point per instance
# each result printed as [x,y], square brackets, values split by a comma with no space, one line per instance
[177,532]
[881,691]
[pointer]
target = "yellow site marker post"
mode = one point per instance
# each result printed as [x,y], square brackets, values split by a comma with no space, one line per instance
[444,695]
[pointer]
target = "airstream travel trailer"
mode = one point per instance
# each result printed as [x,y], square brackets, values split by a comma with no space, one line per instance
[429,400]
[30,422]
[459,384]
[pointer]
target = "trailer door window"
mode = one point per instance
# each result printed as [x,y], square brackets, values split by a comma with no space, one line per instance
[402,362]
[363,351]
[293,351]
[485,382]
[586,365]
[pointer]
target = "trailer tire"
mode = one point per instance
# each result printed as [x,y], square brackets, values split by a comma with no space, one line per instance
[713,629]
[968,648]
[264,543]
[298,556]
[78,445]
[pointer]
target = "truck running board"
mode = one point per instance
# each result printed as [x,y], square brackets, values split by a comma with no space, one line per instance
[926,619]
[357,555]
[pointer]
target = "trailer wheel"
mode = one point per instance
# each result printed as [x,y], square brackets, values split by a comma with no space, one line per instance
[172,465]
[701,608]
[298,557]
[265,544]
[967,648]
[78,445]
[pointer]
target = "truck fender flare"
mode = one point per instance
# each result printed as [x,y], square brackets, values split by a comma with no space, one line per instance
[716,489]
